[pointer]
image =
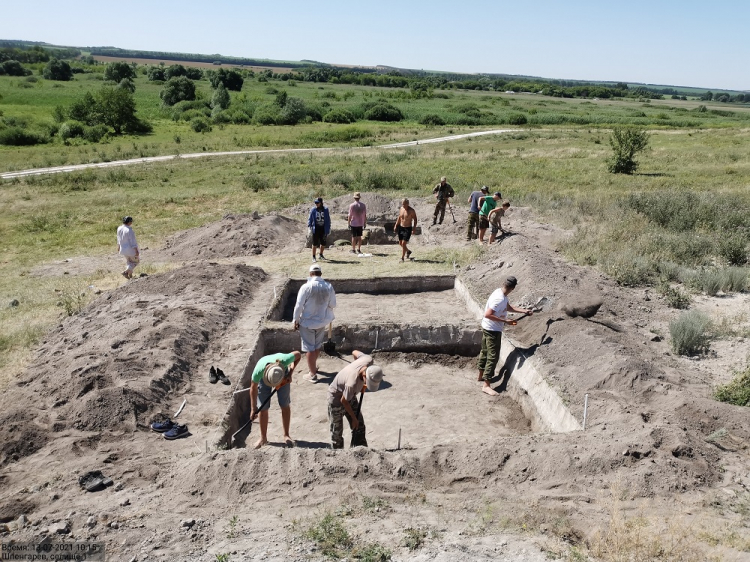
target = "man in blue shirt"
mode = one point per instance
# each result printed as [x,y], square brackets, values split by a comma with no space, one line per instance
[319,223]
[473,225]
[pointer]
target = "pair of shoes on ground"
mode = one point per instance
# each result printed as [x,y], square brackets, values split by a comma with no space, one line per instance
[94,481]
[170,429]
[217,374]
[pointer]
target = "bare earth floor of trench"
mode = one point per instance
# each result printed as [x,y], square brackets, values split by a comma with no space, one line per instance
[432,404]
[431,308]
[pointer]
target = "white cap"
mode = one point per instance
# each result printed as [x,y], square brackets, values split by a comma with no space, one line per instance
[374,376]
[315,267]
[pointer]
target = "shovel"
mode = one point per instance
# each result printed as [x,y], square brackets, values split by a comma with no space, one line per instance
[537,307]
[330,347]
[356,442]
[250,421]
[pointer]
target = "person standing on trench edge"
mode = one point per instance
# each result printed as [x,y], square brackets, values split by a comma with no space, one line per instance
[495,319]
[313,311]
[319,223]
[357,220]
[349,383]
[472,230]
[404,226]
[443,191]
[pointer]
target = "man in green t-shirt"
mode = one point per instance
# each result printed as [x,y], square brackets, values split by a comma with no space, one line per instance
[273,371]
[484,214]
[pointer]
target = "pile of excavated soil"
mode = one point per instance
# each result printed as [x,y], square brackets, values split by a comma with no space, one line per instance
[111,366]
[234,236]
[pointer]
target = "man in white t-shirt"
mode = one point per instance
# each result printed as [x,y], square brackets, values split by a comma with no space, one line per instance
[313,311]
[495,319]
[127,246]
[352,380]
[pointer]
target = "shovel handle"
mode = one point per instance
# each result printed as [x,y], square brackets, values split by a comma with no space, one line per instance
[330,330]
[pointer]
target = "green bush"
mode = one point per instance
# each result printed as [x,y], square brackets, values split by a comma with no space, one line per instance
[737,391]
[200,125]
[517,119]
[733,249]
[626,143]
[331,536]
[690,333]
[176,90]
[266,114]
[95,133]
[343,116]
[343,134]
[70,129]
[17,136]
[384,112]
[432,119]
[257,182]
[675,297]
[57,70]
[734,280]
[116,71]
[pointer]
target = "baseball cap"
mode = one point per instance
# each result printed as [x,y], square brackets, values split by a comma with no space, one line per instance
[273,374]
[315,267]
[318,200]
[498,195]
[357,195]
[374,376]
[511,281]
[126,220]
[485,189]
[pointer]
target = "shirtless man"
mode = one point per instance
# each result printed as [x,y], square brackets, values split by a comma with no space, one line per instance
[405,223]
[496,215]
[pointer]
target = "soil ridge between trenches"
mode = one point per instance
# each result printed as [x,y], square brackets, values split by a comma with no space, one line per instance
[112,365]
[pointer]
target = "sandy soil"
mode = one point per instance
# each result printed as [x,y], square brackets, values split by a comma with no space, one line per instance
[469,471]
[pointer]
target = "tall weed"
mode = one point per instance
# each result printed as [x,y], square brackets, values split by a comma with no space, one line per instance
[691,333]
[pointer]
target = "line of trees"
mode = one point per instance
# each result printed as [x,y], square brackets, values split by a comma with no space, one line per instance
[188,57]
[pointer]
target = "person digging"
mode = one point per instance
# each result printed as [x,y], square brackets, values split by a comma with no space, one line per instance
[495,319]
[270,372]
[351,381]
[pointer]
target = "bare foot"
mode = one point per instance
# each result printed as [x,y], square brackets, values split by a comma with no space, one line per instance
[289,442]
[487,389]
[260,443]
[480,378]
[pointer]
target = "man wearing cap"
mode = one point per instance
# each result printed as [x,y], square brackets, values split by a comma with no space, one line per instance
[357,221]
[270,372]
[350,381]
[488,204]
[313,311]
[127,246]
[472,230]
[404,226]
[319,223]
[443,191]
[495,319]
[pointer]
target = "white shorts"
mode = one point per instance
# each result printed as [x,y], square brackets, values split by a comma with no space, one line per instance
[312,339]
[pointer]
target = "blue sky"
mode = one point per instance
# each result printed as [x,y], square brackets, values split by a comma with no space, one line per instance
[685,43]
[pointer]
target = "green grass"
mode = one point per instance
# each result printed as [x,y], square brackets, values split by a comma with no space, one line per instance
[737,391]
[691,333]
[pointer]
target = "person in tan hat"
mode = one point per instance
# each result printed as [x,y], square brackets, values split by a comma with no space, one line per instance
[350,381]
[357,221]
[270,372]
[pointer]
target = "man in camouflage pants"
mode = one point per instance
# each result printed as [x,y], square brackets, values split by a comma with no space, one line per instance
[443,191]
[352,380]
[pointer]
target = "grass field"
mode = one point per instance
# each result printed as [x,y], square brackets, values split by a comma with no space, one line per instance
[688,208]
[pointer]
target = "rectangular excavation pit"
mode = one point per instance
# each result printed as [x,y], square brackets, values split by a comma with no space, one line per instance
[411,329]
[374,234]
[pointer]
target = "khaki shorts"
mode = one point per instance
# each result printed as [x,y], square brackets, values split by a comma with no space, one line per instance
[312,338]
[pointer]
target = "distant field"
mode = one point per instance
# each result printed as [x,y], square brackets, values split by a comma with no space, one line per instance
[168,62]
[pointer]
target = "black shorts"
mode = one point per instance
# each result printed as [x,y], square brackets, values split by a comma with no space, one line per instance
[357,231]
[404,233]
[319,237]
[484,222]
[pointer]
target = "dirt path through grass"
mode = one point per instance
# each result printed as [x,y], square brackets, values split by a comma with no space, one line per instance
[117,163]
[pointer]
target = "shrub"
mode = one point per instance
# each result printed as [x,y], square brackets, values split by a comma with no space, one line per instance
[690,333]
[177,90]
[231,79]
[127,84]
[675,297]
[157,73]
[384,112]
[116,71]
[734,280]
[266,114]
[70,129]
[733,249]
[517,119]
[343,116]
[331,536]
[292,113]
[256,183]
[200,125]
[344,134]
[175,70]
[737,391]
[194,73]
[626,143]
[432,119]
[57,70]
[95,133]
[15,68]
[220,98]
[18,136]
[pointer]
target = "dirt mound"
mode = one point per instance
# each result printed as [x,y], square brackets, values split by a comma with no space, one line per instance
[113,365]
[234,236]
[378,206]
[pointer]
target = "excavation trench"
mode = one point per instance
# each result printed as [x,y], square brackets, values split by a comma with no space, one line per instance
[423,332]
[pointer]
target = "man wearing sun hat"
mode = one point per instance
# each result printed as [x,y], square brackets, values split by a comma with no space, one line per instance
[353,379]
[319,223]
[270,372]
[357,221]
